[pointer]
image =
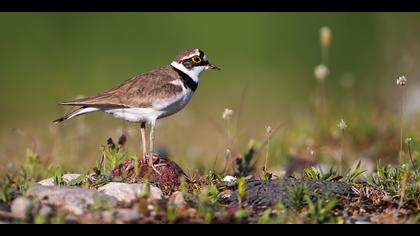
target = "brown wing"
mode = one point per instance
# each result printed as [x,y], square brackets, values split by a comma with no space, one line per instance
[139,91]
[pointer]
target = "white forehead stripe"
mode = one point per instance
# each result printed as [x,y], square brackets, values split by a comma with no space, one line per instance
[191,55]
[196,53]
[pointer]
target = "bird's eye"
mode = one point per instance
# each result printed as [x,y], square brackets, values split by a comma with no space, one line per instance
[196,59]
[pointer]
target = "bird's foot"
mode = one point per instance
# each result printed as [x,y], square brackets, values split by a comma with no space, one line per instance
[155,158]
[153,166]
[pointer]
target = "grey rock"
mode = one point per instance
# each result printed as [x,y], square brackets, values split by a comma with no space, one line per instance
[124,192]
[45,211]
[74,199]
[4,207]
[177,198]
[70,219]
[128,215]
[107,217]
[21,207]
[364,219]
[67,178]
[271,192]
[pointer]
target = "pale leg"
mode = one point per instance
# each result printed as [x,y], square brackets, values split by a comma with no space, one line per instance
[152,140]
[143,139]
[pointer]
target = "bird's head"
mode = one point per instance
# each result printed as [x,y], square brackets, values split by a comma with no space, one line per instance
[192,62]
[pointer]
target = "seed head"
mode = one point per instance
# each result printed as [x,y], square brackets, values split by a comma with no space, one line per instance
[312,152]
[227,114]
[325,36]
[227,153]
[401,81]
[269,130]
[321,72]
[342,125]
[408,141]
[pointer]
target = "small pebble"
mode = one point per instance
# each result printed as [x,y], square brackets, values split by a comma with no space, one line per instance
[20,207]
[45,211]
[177,198]
[70,219]
[128,215]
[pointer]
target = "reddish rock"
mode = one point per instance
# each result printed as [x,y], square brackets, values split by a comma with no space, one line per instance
[169,178]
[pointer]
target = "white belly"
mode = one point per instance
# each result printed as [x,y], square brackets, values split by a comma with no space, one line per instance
[159,109]
[173,105]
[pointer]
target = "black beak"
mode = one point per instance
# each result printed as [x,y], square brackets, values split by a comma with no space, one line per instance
[212,66]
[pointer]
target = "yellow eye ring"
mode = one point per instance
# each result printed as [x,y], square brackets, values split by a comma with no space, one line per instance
[196,59]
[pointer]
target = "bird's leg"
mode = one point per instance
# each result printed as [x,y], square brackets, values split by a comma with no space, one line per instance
[152,140]
[143,139]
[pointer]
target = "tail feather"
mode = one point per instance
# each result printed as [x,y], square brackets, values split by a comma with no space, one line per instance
[75,113]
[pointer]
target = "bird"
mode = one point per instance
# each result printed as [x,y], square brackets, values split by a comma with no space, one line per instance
[148,97]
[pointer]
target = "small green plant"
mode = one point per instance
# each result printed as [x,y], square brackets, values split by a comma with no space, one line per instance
[172,212]
[6,190]
[266,216]
[395,180]
[112,155]
[298,194]
[245,165]
[320,210]
[281,213]
[313,174]
[40,219]
[241,189]
[78,181]
[387,178]
[58,176]
[59,217]
[240,213]
[32,167]
[353,174]
[100,204]
[207,203]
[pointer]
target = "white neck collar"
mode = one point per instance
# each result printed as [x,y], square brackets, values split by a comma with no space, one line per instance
[194,74]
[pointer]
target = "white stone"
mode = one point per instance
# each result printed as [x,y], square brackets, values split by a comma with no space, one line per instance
[67,178]
[128,215]
[45,211]
[229,179]
[177,198]
[20,207]
[124,192]
[74,199]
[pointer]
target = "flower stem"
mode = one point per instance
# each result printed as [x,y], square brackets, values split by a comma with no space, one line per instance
[411,158]
[267,154]
[401,124]
[342,151]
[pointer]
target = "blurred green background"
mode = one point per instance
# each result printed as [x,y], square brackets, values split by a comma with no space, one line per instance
[267,62]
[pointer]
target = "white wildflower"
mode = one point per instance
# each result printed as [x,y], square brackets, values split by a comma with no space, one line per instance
[321,72]
[227,114]
[268,129]
[401,81]
[227,153]
[342,125]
